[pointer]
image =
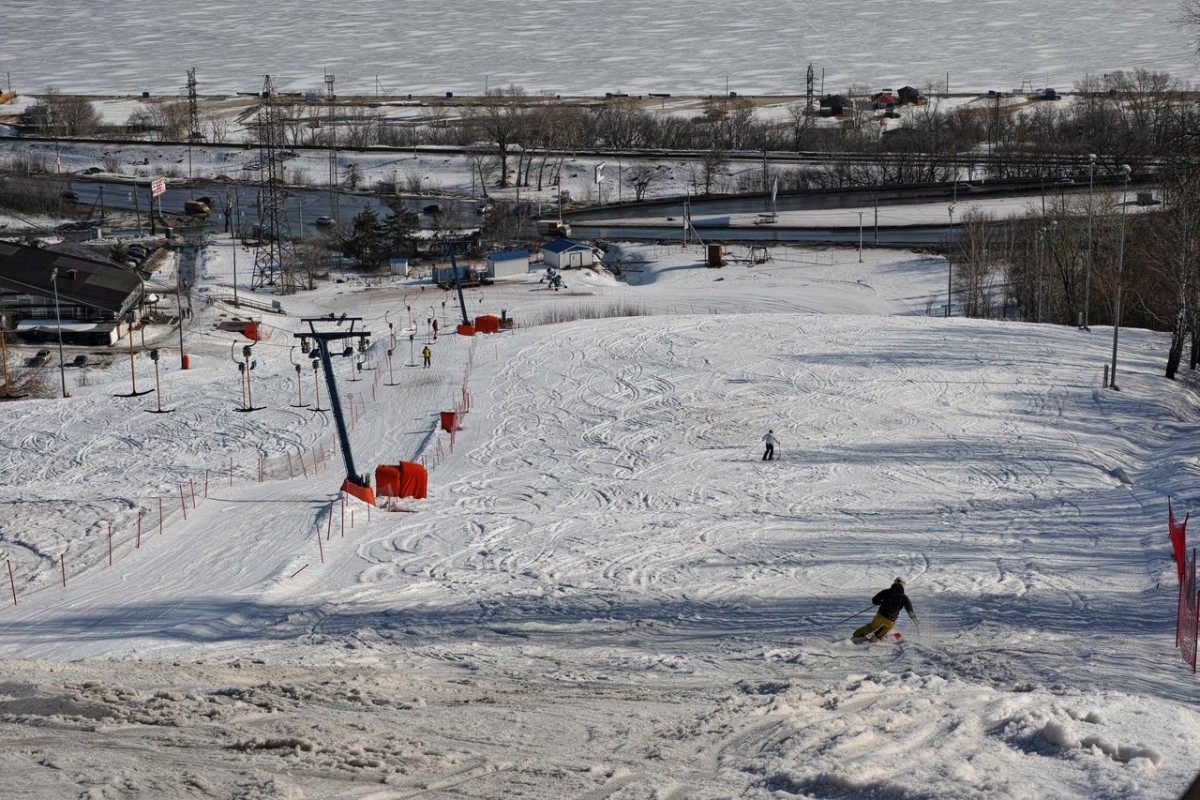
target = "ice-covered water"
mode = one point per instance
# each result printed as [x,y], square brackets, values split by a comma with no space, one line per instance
[582,46]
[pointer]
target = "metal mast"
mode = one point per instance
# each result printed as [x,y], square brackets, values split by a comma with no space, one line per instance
[331,132]
[274,259]
[193,133]
[808,105]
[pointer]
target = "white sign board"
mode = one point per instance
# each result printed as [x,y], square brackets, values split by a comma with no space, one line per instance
[158,186]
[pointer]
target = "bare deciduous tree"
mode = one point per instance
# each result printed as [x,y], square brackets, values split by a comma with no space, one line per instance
[56,114]
[498,122]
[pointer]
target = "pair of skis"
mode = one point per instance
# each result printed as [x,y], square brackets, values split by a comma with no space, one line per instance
[891,637]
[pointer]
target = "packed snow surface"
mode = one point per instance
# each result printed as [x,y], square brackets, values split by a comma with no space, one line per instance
[607,592]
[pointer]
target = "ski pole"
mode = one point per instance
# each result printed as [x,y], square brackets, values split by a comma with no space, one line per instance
[852,616]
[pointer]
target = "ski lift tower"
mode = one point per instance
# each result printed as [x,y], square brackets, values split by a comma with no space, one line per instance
[324,330]
[275,259]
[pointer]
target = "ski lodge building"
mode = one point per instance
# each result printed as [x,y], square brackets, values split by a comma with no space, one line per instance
[96,302]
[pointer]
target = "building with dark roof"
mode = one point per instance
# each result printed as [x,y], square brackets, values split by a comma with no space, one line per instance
[565,253]
[96,301]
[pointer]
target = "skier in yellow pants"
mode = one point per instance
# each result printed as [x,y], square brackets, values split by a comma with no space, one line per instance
[890,601]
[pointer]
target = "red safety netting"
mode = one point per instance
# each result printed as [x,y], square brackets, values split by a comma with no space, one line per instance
[1178,538]
[1189,604]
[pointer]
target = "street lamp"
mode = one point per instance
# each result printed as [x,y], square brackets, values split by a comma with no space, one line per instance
[1045,252]
[1120,269]
[949,256]
[234,227]
[1087,278]
[62,370]
[860,234]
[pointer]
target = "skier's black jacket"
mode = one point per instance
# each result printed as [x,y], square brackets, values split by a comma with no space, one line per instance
[891,601]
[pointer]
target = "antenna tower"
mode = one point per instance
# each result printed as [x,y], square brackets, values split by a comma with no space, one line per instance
[808,105]
[331,132]
[274,259]
[193,106]
[193,132]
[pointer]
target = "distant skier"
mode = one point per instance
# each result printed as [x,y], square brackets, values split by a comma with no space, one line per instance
[770,441]
[435,327]
[426,353]
[890,601]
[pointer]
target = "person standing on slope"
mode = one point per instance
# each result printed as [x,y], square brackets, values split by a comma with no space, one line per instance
[770,441]
[425,354]
[890,601]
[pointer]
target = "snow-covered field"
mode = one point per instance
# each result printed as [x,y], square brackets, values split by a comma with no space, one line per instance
[584,46]
[607,593]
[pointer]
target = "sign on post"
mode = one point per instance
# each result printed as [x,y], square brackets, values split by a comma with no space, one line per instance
[158,186]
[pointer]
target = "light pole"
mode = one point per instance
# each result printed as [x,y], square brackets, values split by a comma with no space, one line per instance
[860,234]
[1045,254]
[183,359]
[299,392]
[234,224]
[1120,269]
[62,370]
[1087,278]
[949,257]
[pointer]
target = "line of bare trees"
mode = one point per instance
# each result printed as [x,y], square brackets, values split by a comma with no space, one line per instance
[1058,263]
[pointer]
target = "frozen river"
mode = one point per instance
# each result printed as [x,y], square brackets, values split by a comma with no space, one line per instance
[582,46]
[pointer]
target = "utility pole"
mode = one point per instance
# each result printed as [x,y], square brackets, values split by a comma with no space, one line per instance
[193,120]
[1125,170]
[1087,280]
[331,101]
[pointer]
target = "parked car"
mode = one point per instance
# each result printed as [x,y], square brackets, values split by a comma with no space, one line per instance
[324,222]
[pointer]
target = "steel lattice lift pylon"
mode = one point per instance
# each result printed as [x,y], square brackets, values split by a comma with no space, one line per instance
[274,259]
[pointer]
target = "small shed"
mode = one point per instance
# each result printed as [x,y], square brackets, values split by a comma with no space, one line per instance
[446,273]
[908,94]
[564,253]
[508,263]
